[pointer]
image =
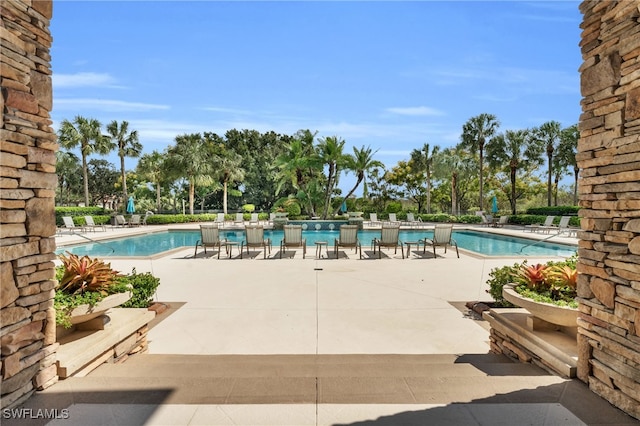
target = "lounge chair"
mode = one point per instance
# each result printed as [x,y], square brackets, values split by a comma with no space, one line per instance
[562,225]
[254,219]
[502,221]
[239,220]
[70,226]
[487,220]
[135,220]
[389,237]
[393,218]
[535,227]
[373,219]
[348,238]
[91,225]
[209,237]
[254,237]
[411,220]
[441,238]
[121,221]
[293,238]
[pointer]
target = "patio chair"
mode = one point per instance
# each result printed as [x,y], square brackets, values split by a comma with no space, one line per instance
[373,220]
[254,237]
[562,225]
[293,238]
[239,220]
[441,238]
[209,237]
[389,237]
[535,227]
[393,218]
[135,220]
[348,238]
[502,221]
[487,220]
[70,226]
[121,221]
[254,219]
[91,225]
[412,221]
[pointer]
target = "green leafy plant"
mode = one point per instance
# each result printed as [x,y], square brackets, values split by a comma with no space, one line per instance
[553,282]
[83,281]
[143,287]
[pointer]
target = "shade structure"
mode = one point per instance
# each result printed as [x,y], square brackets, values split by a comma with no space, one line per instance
[494,207]
[131,208]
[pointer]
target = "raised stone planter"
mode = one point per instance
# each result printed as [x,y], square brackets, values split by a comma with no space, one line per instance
[551,314]
[84,313]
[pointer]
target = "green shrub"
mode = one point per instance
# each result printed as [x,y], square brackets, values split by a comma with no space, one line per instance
[144,287]
[393,207]
[498,278]
[554,210]
[248,208]
[78,213]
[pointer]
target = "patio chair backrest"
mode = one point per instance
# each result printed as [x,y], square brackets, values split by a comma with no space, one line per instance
[348,235]
[209,234]
[220,218]
[254,235]
[410,217]
[89,221]
[68,222]
[392,217]
[292,235]
[135,219]
[120,220]
[373,217]
[503,220]
[442,234]
[564,222]
[239,218]
[389,234]
[254,217]
[549,221]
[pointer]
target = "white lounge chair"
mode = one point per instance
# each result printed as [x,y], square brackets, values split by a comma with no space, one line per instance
[254,219]
[121,221]
[239,220]
[373,219]
[70,226]
[535,227]
[389,237]
[293,238]
[209,237]
[393,218]
[91,225]
[254,237]
[135,220]
[441,238]
[562,225]
[348,238]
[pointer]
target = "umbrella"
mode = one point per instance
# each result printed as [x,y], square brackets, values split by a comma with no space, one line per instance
[130,207]
[343,207]
[494,207]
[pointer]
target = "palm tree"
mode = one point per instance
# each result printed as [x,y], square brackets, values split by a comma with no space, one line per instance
[151,166]
[128,146]
[549,134]
[475,133]
[191,158]
[514,150]
[423,160]
[68,170]
[567,150]
[330,154]
[85,133]
[454,164]
[361,163]
[227,166]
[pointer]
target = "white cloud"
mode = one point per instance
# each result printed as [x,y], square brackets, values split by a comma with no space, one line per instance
[415,111]
[82,79]
[107,105]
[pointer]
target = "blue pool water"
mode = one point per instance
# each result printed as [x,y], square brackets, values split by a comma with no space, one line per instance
[479,242]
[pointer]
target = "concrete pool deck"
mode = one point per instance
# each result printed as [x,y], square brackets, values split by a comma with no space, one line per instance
[320,342]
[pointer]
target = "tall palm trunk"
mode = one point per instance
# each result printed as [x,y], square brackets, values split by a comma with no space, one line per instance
[513,189]
[224,197]
[85,178]
[480,202]
[158,203]
[576,170]
[454,194]
[329,190]
[192,193]
[358,182]
[124,180]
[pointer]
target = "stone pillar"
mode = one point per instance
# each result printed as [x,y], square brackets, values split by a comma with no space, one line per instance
[609,159]
[27,197]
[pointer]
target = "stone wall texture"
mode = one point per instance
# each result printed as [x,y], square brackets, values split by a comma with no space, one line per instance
[609,159]
[27,191]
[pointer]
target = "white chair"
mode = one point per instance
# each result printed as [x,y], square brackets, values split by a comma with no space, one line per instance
[389,237]
[441,238]
[293,238]
[209,237]
[69,225]
[90,224]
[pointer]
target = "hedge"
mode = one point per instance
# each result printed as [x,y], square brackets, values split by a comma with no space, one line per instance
[554,210]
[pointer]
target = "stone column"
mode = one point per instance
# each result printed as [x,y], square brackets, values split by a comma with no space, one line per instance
[609,159]
[27,196]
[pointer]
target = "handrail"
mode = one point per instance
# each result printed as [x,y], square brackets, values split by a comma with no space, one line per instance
[536,242]
[95,241]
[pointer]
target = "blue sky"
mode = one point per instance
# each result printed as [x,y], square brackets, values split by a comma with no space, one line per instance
[389,75]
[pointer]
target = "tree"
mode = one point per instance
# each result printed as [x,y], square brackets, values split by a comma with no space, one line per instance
[128,146]
[457,167]
[549,134]
[361,163]
[69,171]
[475,133]
[331,155]
[422,160]
[228,170]
[191,158]
[512,151]
[409,182]
[102,182]
[152,167]
[567,150]
[86,134]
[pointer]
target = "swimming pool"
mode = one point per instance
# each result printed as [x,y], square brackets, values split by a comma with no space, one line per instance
[479,242]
